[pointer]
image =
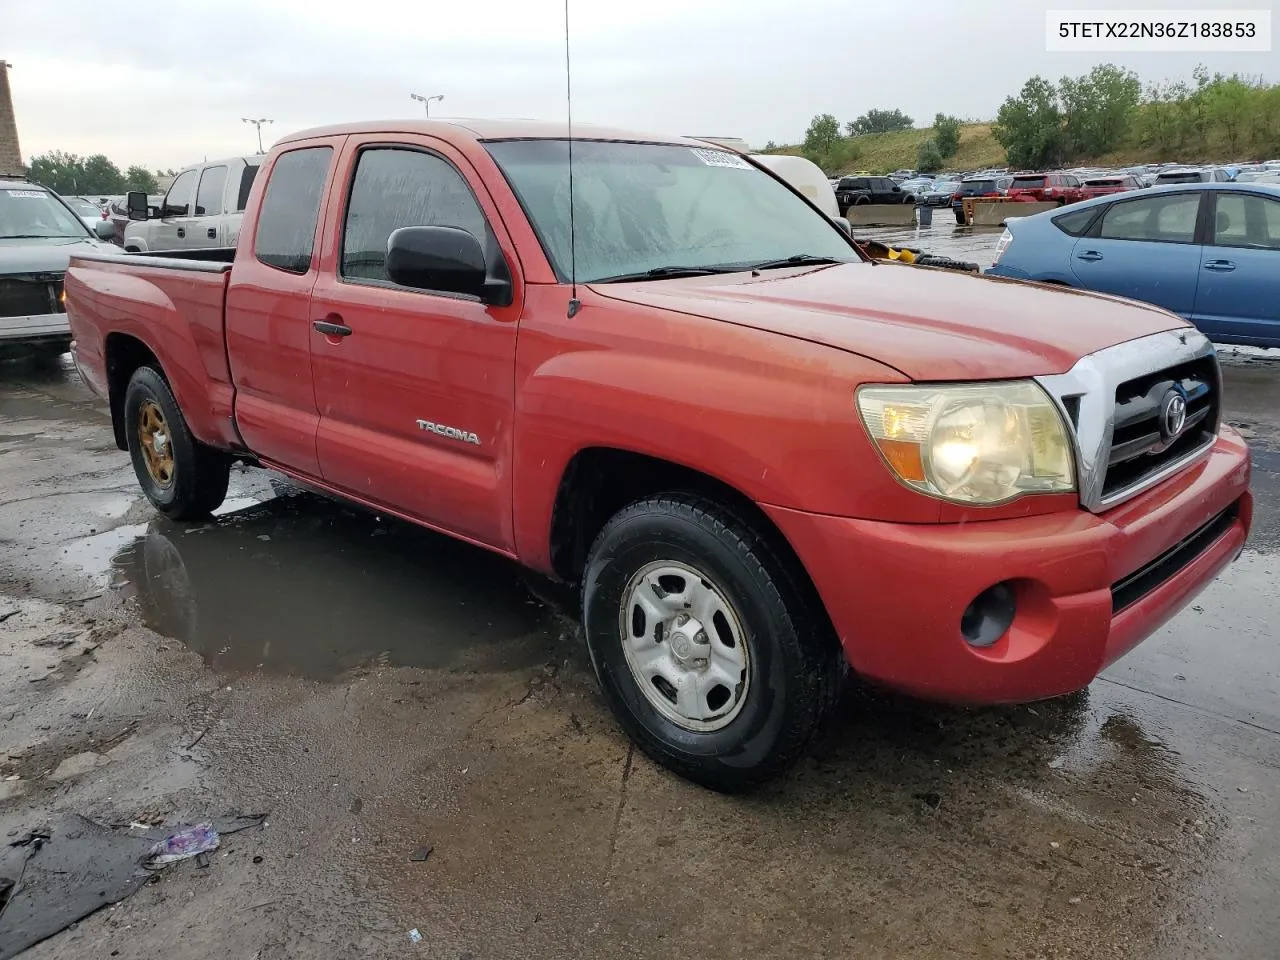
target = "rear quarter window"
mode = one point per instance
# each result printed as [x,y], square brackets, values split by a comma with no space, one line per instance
[1076,222]
[290,210]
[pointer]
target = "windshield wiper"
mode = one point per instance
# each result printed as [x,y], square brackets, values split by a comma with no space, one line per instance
[663,273]
[36,236]
[799,260]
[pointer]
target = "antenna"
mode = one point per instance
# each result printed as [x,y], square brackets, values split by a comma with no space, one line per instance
[574,305]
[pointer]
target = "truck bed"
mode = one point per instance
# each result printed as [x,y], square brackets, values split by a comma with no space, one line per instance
[171,306]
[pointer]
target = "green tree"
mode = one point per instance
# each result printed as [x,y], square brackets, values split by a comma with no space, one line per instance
[823,132]
[140,178]
[63,172]
[102,176]
[1098,109]
[1229,102]
[929,156]
[880,121]
[946,135]
[1029,126]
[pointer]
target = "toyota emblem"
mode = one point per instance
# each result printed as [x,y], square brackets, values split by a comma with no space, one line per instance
[1173,414]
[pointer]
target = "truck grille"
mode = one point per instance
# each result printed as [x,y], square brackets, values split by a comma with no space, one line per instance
[1141,442]
[30,297]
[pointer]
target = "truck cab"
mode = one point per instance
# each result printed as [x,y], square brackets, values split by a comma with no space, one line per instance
[203,208]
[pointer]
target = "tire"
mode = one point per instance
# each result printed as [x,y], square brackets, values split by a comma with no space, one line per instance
[860,201]
[931,260]
[196,478]
[788,663]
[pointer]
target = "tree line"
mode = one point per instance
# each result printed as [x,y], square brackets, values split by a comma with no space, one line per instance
[1085,118]
[72,175]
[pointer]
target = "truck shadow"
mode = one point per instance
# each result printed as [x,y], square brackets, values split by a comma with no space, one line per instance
[308,587]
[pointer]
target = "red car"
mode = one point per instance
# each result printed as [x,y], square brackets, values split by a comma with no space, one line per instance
[1102,186]
[764,460]
[1046,187]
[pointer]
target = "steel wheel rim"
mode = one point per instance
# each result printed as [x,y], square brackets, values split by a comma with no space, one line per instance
[156,443]
[685,646]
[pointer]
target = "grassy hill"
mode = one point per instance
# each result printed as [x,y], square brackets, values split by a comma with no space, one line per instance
[883,152]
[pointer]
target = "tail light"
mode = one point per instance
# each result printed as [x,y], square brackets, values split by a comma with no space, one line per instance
[1006,239]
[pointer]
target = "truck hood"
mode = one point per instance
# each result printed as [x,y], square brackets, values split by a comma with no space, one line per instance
[928,323]
[46,255]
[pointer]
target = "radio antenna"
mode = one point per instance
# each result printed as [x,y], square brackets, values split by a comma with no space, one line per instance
[574,305]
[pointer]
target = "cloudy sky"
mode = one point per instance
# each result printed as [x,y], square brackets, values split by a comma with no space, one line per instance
[164,83]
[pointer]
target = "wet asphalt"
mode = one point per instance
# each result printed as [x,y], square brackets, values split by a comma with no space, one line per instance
[373,689]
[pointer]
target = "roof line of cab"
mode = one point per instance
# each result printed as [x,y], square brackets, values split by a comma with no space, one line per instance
[482,130]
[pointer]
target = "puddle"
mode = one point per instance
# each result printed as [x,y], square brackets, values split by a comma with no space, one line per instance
[92,554]
[305,586]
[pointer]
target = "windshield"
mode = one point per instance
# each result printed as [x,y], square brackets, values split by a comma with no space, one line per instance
[643,207]
[84,208]
[1028,183]
[1188,176]
[979,186]
[25,212]
[1104,182]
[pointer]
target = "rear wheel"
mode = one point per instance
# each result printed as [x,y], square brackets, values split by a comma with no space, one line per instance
[182,478]
[707,647]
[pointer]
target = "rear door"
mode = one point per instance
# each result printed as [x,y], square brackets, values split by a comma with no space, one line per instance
[1238,297]
[268,319]
[205,227]
[170,231]
[1144,249]
[416,398]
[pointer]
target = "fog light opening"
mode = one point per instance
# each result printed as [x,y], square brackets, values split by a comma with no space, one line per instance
[989,616]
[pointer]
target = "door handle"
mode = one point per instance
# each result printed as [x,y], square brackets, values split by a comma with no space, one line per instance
[182,232]
[212,233]
[1090,255]
[1223,266]
[331,329]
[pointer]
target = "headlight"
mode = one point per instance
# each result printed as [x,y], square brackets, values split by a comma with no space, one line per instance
[979,443]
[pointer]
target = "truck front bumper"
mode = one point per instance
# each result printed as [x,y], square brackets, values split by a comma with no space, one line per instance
[1087,587]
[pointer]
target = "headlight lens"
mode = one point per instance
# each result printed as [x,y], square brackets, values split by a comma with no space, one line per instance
[979,443]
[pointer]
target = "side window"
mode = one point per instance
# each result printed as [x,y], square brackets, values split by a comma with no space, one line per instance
[860,183]
[290,209]
[177,202]
[395,188]
[1167,218]
[1247,221]
[247,176]
[1075,222]
[213,182]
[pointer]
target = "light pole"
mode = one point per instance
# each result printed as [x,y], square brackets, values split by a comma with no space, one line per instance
[258,123]
[426,101]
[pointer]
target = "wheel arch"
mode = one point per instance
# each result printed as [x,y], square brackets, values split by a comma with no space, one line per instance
[125,354]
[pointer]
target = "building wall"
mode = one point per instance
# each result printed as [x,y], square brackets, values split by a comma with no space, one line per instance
[10,153]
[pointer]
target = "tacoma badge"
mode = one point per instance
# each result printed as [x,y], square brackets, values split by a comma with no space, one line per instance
[453,433]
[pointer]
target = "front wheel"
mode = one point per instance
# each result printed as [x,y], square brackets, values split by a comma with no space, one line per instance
[711,652]
[182,478]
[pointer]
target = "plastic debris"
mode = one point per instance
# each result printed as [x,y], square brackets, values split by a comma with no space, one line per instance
[415,936]
[183,845]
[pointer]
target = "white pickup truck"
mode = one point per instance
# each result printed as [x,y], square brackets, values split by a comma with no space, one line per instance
[203,208]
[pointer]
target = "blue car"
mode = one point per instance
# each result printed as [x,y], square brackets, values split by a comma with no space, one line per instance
[1207,251]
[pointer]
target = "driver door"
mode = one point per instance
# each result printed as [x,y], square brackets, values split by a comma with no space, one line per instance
[170,231]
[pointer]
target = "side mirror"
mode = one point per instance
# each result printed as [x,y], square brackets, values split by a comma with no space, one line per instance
[447,259]
[105,229]
[844,224]
[136,204]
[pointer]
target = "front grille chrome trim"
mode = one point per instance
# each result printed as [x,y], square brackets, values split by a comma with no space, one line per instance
[1090,388]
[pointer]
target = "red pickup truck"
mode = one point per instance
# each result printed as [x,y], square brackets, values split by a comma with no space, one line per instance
[765,459]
